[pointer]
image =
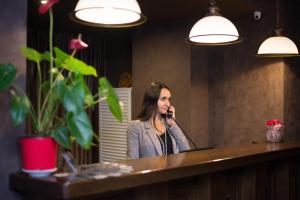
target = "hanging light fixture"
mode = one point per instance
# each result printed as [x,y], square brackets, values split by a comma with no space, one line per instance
[278,45]
[108,13]
[213,29]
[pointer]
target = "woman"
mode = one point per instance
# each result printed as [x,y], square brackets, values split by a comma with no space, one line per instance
[155,133]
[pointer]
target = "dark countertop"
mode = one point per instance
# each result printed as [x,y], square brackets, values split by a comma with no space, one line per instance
[156,169]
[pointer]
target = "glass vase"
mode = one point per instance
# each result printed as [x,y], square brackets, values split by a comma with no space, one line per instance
[274,134]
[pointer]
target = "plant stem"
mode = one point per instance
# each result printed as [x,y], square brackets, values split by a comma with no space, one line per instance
[99,100]
[74,52]
[51,45]
[39,92]
[49,92]
[96,95]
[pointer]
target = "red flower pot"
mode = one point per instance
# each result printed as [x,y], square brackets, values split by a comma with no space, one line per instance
[39,154]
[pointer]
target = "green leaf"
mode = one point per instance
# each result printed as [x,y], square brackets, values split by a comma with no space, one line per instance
[62,136]
[72,95]
[88,99]
[79,66]
[7,76]
[81,128]
[31,54]
[51,110]
[61,57]
[72,64]
[45,87]
[60,87]
[19,108]
[106,90]
[46,56]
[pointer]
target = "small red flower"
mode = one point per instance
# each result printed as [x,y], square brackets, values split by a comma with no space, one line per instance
[274,122]
[45,7]
[77,44]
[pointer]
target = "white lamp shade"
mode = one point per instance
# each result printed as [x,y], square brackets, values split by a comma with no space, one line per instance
[214,30]
[277,46]
[108,12]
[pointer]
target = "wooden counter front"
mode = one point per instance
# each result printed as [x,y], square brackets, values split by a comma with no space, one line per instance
[245,172]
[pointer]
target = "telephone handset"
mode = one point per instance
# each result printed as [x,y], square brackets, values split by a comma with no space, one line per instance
[169,114]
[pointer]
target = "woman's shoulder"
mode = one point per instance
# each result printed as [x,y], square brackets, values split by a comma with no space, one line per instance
[135,126]
[135,123]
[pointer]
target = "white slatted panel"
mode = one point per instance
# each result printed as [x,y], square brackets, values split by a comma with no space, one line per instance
[112,134]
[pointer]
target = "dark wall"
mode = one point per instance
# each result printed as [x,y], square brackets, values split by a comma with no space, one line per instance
[223,94]
[244,90]
[199,112]
[12,38]
[118,56]
[162,54]
[292,71]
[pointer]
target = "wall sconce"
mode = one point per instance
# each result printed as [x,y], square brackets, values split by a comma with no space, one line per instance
[213,29]
[108,13]
[278,45]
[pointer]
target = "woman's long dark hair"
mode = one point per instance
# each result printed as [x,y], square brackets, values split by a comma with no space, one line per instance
[149,107]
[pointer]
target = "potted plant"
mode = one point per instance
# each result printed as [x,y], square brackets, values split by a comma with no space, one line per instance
[59,115]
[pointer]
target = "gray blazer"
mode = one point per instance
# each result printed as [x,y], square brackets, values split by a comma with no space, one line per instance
[142,140]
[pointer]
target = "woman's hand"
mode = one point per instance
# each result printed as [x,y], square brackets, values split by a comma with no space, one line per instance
[170,120]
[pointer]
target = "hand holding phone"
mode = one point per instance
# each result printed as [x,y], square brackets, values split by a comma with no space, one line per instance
[170,116]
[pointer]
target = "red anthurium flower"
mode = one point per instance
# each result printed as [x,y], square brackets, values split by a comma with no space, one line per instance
[274,122]
[45,7]
[77,44]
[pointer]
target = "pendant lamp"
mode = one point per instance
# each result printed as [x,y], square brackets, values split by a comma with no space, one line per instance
[278,45]
[108,13]
[213,29]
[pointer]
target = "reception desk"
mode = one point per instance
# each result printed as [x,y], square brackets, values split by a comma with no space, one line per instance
[254,171]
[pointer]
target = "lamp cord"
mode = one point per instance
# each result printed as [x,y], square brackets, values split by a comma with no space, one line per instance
[277,14]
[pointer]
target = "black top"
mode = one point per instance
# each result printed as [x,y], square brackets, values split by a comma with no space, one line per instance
[169,143]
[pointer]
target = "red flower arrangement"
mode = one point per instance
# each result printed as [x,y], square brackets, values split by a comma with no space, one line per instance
[274,133]
[274,122]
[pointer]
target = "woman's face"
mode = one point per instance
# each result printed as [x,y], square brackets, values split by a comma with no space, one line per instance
[164,101]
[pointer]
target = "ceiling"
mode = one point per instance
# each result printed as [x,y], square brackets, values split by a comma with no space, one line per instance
[186,9]
[156,11]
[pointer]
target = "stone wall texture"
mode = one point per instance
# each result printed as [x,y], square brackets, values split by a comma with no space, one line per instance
[223,94]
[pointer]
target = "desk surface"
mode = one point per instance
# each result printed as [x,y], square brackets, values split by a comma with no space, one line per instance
[157,169]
